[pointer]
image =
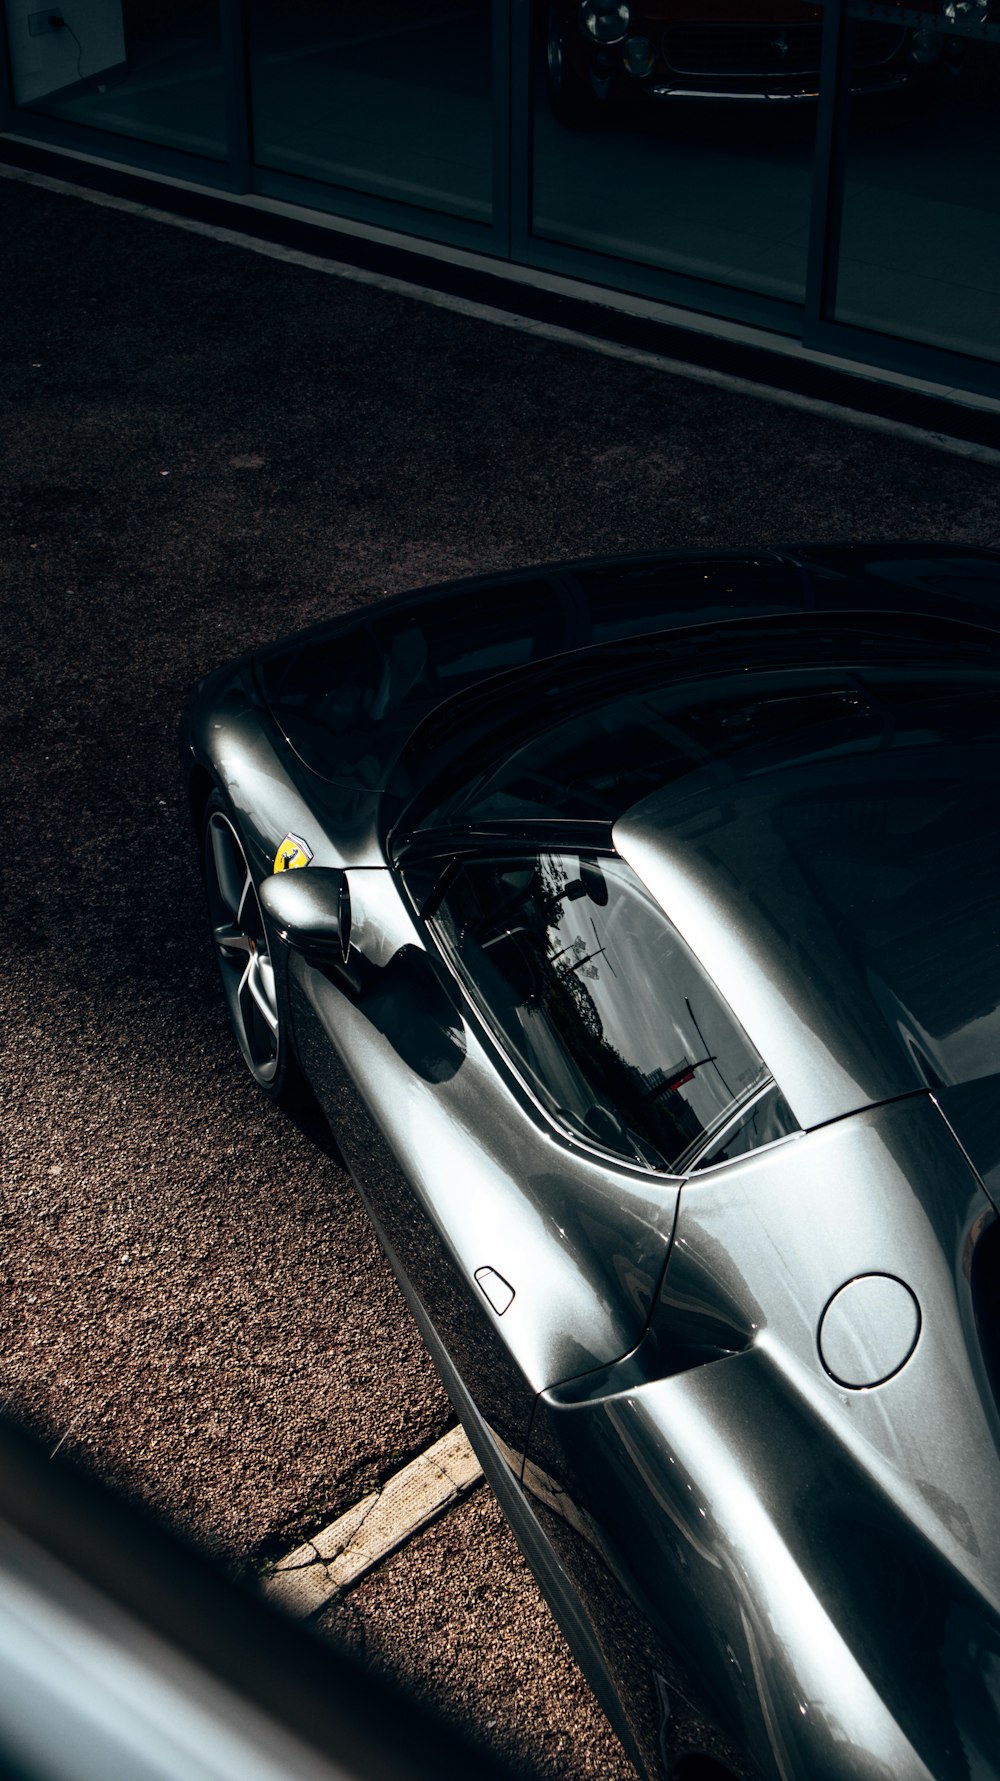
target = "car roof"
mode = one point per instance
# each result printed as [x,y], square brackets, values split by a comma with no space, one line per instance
[753,672]
[813,805]
[583,736]
[846,898]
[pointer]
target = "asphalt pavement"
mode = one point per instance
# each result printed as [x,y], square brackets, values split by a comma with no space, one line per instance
[202,448]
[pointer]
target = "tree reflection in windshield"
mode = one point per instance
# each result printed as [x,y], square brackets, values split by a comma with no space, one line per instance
[618,1030]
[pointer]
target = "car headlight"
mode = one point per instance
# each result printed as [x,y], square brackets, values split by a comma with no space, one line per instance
[926,47]
[965,12]
[639,57]
[607,21]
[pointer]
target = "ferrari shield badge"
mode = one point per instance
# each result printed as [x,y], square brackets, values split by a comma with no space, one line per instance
[292,852]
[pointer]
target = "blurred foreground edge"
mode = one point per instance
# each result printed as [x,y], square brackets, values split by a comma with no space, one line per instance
[126,1654]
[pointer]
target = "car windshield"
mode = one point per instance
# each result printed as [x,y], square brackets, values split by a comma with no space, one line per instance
[349,699]
[595,763]
[602,1007]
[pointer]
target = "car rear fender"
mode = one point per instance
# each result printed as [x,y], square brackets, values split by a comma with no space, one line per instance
[797,1536]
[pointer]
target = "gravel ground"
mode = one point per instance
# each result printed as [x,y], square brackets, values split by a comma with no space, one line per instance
[203,448]
[456,1618]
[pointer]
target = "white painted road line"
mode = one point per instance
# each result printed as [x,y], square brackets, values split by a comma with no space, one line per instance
[311,1576]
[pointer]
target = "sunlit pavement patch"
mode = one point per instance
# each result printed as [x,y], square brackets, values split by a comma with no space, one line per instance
[311,1576]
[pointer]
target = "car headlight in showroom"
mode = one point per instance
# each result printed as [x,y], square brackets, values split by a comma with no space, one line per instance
[606,21]
[926,46]
[639,57]
[966,12]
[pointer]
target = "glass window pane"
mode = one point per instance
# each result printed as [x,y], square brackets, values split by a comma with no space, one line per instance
[600,1004]
[680,136]
[920,251]
[391,98]
[150,69]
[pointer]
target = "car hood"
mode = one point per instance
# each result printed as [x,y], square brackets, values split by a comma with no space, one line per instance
[349,693]
[377,703]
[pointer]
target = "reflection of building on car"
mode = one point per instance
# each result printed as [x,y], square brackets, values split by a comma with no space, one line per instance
[600,51]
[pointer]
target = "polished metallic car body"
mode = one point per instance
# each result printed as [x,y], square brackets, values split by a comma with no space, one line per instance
[582,848]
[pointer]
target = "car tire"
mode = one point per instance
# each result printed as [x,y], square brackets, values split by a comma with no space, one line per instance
[254,990]
[701,1768]
[572,99]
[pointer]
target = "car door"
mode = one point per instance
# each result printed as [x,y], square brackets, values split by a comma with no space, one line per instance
[510,1098]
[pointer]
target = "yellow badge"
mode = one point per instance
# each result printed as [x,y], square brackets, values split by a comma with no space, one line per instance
[292,852]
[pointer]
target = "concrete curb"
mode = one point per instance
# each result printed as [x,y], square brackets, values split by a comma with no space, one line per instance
[309,1578]
[561,336]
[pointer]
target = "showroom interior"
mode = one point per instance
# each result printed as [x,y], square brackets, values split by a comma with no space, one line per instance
[816,182]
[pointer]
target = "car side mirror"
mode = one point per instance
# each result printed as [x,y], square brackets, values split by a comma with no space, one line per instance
[310,910]
[594,882]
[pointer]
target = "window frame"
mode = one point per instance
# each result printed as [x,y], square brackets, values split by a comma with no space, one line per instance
[452,850]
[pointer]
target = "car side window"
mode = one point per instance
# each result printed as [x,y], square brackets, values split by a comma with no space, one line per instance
[767,1118]
[599,1003]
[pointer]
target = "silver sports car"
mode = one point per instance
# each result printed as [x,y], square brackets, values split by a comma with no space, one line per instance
[637,926]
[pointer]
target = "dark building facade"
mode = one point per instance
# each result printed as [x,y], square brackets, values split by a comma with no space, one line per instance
[822,178]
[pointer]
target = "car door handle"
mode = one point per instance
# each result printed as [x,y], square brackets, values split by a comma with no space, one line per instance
[498,1290]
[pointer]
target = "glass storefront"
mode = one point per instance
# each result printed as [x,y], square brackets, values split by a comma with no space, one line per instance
[390,98]
[687,146]
[148,69]
[824,171]
[920,249]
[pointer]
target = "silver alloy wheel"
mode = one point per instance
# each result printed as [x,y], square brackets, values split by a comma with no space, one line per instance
[241,948]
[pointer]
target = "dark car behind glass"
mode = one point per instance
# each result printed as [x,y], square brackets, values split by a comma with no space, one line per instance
[634,52]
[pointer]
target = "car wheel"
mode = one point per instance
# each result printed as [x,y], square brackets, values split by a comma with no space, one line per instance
[572,98]
[243,950]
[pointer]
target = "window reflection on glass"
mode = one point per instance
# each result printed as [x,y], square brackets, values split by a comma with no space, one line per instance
[392,98]
[920,248]
[764,1121]
[151,69]
[679,134]
[602,1007]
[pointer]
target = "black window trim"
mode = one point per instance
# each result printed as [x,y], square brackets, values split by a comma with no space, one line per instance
[538,834]
[690,1161]
[456,848]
